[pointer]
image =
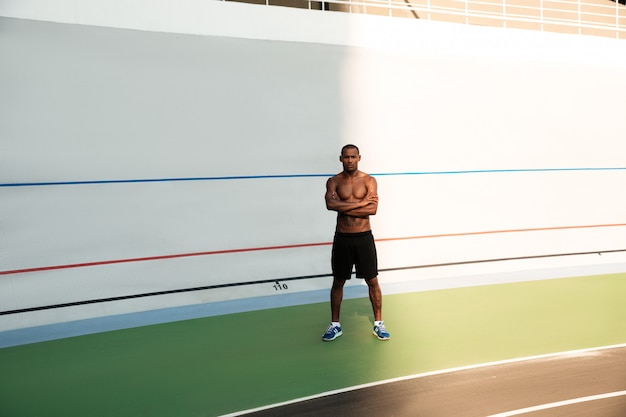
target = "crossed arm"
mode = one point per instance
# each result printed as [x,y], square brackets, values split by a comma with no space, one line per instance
[367,206]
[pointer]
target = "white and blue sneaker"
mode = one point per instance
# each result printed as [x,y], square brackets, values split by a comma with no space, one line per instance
[381,332]
[332,333]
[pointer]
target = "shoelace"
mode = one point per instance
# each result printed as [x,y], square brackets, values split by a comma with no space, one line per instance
[381,328]
[330,328]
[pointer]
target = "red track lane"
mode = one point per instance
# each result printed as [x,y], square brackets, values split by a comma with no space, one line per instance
[301,245]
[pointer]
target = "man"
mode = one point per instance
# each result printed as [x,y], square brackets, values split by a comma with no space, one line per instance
[354,196]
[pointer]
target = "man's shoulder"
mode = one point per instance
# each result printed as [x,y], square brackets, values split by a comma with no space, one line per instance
[337,177]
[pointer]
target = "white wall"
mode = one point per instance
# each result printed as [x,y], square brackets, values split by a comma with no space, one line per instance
[486,144]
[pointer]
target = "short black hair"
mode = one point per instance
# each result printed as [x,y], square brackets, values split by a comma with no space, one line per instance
[350,146]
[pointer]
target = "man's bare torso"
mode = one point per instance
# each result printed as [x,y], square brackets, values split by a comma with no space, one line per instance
[352,189]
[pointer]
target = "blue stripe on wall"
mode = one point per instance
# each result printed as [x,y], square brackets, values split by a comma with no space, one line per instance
[254,177]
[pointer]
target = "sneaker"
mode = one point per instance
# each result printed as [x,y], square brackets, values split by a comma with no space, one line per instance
[332,333]
[381,332]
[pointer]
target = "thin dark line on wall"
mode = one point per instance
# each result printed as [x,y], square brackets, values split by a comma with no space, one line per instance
[157,293]
[514,258]
[297,278]
[284,176]
[294,246]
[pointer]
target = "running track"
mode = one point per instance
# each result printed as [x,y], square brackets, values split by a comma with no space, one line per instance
[584,383]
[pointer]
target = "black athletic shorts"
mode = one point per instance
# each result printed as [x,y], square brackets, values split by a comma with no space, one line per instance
[356,249]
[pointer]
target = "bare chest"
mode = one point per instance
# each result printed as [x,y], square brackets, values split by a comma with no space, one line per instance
[352,190]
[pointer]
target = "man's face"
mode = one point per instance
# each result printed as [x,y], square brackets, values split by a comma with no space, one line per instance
[350,159]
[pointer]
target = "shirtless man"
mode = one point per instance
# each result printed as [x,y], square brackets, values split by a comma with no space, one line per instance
[354,196]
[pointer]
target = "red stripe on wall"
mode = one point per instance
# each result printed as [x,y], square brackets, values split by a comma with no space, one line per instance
[158,258]
[302,245]
[491,232]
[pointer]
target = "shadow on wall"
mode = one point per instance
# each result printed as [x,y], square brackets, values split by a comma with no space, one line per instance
[88,104]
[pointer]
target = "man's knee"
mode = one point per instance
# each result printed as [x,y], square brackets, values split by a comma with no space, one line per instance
[372,282]
[338,283]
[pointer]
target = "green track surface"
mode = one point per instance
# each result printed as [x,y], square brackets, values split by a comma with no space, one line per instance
[218,365]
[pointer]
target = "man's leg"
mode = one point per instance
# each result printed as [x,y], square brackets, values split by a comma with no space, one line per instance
[376,298]
[336,297]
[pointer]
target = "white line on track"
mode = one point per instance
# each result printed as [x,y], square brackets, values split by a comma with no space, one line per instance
[559,404]
[426,374]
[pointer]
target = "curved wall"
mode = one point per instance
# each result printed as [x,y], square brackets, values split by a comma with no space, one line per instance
[142,170]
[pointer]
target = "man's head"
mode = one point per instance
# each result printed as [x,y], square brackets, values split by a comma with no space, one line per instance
[350,158]
[350,146]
